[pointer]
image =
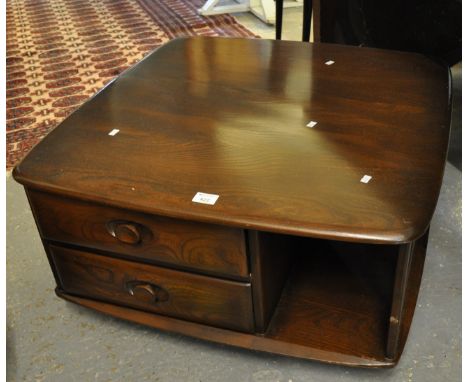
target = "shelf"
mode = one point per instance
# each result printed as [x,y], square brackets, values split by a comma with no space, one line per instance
[338,299]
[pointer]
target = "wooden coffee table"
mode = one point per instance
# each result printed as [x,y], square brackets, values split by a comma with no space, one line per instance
[322,164]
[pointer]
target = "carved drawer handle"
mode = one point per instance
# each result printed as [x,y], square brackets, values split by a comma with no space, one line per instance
[146,292]
[125,232]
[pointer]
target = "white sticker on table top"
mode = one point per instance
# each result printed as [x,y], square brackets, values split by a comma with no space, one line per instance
[201,197]
[114,132]
[366,179]
[329,62]
[311,124]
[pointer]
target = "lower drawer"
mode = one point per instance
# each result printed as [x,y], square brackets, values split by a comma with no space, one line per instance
[203,299]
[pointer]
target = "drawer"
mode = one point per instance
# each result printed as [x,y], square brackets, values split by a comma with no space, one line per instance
[165,241]
[192,297]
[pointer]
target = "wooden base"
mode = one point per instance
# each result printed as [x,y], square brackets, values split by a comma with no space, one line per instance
[223,336]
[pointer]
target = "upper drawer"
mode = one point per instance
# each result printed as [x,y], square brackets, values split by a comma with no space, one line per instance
[199,246]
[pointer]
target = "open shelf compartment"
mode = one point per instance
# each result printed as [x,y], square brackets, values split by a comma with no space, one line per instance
[337,298]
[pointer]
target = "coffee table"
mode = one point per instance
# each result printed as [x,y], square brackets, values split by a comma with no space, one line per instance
[269,195]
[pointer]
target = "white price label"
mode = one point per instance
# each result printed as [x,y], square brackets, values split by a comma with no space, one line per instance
[201,197]
[366,179]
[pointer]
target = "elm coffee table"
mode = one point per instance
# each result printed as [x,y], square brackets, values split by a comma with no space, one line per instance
[322,164]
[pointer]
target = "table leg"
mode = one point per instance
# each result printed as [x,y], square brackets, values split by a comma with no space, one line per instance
[279,18]
[306,20]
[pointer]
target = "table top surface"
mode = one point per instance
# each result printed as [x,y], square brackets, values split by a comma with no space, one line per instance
[229,117]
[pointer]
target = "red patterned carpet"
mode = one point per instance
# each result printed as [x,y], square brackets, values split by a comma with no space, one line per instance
[61,52]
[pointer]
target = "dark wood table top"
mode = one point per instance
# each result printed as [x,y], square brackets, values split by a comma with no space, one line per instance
[229,116]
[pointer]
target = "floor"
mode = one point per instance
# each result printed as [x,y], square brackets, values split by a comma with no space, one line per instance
[292,24]
[52,340]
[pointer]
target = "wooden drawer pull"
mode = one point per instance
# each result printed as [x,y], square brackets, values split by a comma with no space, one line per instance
[146,292]
[125,232]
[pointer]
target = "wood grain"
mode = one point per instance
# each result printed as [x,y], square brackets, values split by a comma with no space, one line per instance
[228,117]
[192,297]
[185,244]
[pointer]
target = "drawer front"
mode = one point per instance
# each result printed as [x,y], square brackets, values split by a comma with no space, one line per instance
[190,245]
[198,298]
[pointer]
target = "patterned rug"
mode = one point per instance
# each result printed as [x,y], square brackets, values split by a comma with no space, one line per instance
[61,52]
